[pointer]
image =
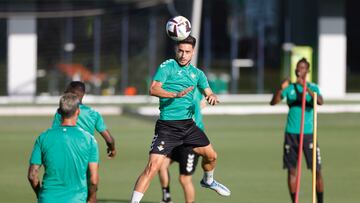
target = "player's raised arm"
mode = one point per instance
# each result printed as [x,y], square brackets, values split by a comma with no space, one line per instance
[277,95]
[157,90]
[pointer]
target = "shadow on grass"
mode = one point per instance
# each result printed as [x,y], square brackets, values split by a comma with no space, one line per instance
[119,201]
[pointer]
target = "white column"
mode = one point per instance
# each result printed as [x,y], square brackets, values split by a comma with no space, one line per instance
[22,53]
[196,27]
[332,57]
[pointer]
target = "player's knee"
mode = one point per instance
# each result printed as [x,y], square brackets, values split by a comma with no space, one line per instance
[151,169]
[318,175]
[292,172]
[212,157]
[185,179]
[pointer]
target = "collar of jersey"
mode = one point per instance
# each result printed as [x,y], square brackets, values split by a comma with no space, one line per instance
[185,67]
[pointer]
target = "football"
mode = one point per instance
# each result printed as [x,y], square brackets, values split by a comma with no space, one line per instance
[178,28]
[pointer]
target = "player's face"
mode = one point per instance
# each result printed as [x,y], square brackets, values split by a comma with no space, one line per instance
[301,70]
[184,53]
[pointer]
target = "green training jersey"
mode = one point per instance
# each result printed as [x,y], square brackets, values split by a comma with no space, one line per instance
[294,115]
[176,78]
[89,120]
[65,152]
[197,109]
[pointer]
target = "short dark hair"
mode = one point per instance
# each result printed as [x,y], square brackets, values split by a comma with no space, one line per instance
[68,105]
[189,40]
[77,88]
[303,60]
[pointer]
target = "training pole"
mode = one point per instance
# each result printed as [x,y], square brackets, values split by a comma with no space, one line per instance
[314,160]
[298,176]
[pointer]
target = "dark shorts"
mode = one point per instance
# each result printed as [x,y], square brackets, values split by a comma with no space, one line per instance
[170,134]
[291,147]
[186,158]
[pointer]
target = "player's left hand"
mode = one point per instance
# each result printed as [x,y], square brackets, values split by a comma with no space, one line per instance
[212,99]
[184,92]
[111,153]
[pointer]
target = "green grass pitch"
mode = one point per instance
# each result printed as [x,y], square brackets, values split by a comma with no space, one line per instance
[249,150]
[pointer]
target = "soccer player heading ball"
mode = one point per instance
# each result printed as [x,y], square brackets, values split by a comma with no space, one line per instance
[174,83]
[186,157]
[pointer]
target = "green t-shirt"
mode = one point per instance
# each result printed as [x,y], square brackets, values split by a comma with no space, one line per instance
[65,152]
[176,78]
[294,115]
[198,118]
[89,120]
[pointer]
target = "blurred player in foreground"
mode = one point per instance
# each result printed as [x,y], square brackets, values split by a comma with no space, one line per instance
[68,154]
[173,83]
[186,158]
[89,119]
[292,92]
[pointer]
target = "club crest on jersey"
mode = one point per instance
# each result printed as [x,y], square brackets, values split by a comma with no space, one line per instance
[192,75]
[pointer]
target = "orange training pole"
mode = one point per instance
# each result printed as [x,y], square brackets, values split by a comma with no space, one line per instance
[303,103]
[314,150]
